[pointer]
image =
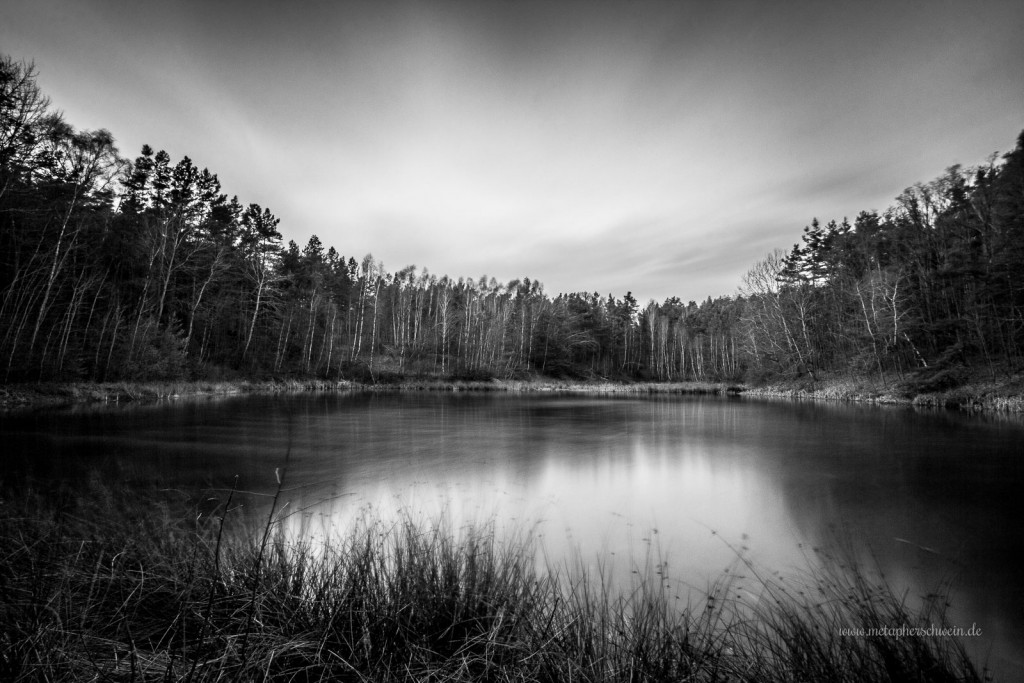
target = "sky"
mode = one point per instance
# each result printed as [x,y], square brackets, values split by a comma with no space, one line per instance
[660,147]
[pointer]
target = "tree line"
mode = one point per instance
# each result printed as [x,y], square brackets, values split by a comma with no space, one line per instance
[116,269]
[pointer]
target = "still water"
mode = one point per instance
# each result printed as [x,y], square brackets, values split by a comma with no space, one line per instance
[934,495]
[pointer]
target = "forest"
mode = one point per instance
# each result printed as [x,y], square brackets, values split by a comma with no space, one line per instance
[145,269]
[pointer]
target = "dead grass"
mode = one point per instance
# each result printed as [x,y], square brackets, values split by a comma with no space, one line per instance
[114,586]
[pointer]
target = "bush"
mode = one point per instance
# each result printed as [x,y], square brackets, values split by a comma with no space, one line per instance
[933,381]
[360,372]
[159,354]
[473,375]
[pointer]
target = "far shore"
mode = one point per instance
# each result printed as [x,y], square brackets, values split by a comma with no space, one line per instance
[980,395]
[67,393]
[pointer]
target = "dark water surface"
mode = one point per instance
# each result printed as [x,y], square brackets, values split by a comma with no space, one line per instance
[935,495]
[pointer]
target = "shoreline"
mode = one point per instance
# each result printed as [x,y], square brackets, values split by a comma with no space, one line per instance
[977,395]
[57,394]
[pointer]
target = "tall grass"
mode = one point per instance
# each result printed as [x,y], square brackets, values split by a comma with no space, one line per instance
[119,587]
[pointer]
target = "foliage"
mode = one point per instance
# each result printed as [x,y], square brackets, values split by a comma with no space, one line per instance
[135,270]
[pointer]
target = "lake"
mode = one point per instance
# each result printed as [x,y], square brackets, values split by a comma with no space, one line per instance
[614,480]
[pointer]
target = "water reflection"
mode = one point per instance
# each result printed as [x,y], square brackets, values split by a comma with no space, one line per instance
[933,493]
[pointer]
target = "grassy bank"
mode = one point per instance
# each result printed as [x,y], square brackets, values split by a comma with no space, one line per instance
[976,391]
[963,390]
[65,393]
[555,386]
[55,394]
[113,587]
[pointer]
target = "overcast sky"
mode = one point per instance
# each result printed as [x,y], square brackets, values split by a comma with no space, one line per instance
[660,147]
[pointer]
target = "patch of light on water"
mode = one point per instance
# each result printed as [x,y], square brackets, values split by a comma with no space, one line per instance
[599,511]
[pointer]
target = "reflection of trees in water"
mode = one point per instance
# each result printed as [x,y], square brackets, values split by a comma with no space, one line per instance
[930,498]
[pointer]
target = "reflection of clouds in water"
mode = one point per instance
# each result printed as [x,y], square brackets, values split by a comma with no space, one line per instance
[593,499]
[694,499]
